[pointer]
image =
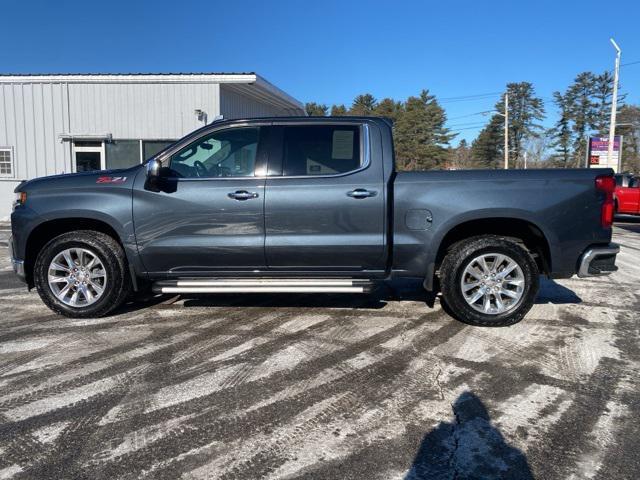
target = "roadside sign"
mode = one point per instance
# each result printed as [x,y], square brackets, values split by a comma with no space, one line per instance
[599,152]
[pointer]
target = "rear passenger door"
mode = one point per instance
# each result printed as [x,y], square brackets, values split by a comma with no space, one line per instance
[324,200]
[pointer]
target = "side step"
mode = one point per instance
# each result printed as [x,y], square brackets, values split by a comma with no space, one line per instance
[263,285]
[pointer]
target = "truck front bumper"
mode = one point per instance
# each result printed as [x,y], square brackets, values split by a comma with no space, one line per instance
[598,260]
[18,265]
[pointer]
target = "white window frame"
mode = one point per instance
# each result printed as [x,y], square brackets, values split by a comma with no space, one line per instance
[100,149]
[11,161]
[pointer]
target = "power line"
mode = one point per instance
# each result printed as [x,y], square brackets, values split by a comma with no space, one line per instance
[466,128]
[467,124]
[464,97]
[466,116]
[470,99]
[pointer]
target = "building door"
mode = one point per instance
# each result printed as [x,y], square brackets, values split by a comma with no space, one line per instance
[88,156]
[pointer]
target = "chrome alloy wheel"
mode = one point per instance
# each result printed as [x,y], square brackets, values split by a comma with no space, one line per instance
[77,277]
[492,283]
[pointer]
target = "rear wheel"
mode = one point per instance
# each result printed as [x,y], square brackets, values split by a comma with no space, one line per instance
[489,281]
[82,274]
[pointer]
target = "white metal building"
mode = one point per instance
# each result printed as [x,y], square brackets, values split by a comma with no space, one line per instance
[51,124]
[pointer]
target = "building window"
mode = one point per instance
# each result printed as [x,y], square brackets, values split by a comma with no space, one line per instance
[6,162]
[122,153]
[151,147]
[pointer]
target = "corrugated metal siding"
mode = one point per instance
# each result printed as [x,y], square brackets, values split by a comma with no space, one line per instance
[144,110]
[32,115]
[236,105]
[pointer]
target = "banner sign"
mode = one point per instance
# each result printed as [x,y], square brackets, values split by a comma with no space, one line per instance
[599,152]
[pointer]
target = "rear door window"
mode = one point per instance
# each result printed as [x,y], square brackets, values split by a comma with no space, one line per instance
[316,150]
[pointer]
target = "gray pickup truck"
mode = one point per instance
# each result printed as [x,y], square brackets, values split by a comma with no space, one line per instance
[308,205]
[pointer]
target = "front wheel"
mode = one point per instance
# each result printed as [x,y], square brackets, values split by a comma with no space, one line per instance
[82,274]
[489,281]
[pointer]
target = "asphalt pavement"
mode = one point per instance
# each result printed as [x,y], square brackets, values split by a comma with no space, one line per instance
[325,386]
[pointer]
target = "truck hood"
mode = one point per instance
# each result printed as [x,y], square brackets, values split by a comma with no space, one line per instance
[81,179]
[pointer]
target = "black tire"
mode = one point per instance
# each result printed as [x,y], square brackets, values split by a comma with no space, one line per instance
[458,258]
[112,256]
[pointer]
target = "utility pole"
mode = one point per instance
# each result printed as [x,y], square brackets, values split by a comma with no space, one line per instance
[506,130]
[614,106]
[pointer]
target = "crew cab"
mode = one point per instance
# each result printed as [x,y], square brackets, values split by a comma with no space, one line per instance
[311,205]
[627,195]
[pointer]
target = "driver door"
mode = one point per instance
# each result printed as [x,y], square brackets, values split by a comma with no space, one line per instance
[207,215]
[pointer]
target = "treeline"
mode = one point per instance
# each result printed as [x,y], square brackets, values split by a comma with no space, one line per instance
[422,140]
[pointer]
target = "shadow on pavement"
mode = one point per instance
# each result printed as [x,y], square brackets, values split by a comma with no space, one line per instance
[471,447]
[629,223]
[626,219]
[140,301]
[552,292]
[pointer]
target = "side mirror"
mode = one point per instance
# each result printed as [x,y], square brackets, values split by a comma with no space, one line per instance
[153,170]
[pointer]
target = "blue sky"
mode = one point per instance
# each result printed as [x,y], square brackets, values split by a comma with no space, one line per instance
[329,51]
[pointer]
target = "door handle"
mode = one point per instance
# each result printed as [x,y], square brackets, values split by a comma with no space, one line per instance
[242,195]
[361,193]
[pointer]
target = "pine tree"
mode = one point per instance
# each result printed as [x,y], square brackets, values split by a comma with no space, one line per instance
[629,120]
[420,134]
[602,96]
[582,111]
[561,134]
[525,112]
[314,109]
[363,105]
[487,150]
[338,111]
[388,108]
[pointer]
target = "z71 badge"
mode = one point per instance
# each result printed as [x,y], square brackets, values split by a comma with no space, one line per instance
[111,179]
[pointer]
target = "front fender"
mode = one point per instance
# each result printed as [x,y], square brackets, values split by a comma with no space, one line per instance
[108,206]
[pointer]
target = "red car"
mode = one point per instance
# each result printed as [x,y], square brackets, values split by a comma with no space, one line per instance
[627,194]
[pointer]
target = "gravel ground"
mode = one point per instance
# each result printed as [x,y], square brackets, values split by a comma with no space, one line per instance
[304,386]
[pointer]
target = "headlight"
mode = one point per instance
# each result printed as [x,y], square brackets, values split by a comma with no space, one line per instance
[21,199]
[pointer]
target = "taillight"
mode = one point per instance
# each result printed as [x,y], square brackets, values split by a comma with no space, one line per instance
[606,184]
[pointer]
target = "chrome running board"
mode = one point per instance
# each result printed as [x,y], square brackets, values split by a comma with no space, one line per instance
[263,285]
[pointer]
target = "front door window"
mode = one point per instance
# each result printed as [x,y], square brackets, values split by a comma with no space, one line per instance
[224,153]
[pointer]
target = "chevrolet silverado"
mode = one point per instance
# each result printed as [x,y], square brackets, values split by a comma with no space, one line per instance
[309,205]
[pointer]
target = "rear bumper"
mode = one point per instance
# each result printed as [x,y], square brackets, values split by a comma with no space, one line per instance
[598,260]
[17,264]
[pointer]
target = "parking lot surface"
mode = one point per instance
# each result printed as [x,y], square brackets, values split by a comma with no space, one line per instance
[310,386]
